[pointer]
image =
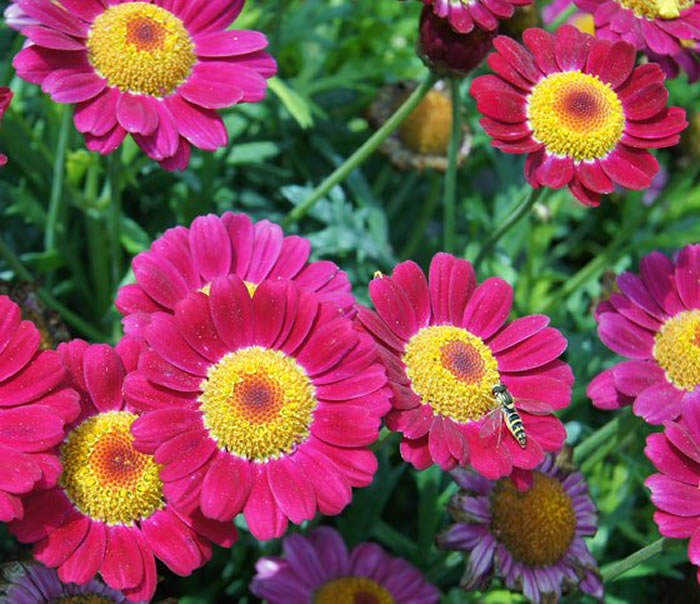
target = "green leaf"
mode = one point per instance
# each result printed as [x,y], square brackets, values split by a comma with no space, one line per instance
[293,102]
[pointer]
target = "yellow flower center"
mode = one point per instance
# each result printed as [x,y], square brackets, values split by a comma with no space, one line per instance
[104,476]
[677,349]
[576,115]
[141,48]
[536,526]
[258,403]
[453,371]
[352,590]
[84,599]
[251,287]
[584,23]
[656,9]
[427,129]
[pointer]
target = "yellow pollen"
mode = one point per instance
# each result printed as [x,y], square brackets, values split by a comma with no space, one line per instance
[257,403]
[84,599]
[677,349]
[427,129]
[352,590]
[452,370]
[656,9]
[141,48]
[536,526]
[104,476]
[251,287]
[576,115]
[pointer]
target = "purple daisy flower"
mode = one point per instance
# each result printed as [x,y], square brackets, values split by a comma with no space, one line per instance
[532,539]
[29,583]
[319,569]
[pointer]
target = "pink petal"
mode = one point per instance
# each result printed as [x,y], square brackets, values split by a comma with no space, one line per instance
[184,453]
[63,540]
[632,377]
[518,331]
[488,308]
[231,309]
[123,564]
[211,247]
[201,127]
[657,272]
[633,287]
[519,57]
[571,48]
[215,85]
[543,347]
[541,44]
[394,306]
[333,490]
[416,452]
[197,327]
[330,425]
[688,275]
[136,114]
[624,337]
[265,519]
[292,490]
[84,563]
[226,487]
[104,374]
[36,379]
[30,428]
[18,472]
[410,278]
[172,541]
[165,339]
[19,351]
[231,42]
[157,427]
[658,403]
[670,461]
[674,497]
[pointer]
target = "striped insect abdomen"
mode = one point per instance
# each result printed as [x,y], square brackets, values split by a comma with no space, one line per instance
[513,420]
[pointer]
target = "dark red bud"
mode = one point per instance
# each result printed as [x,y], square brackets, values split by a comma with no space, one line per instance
[445,51]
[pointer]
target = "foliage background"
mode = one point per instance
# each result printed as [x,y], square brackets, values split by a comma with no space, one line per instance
[333,58]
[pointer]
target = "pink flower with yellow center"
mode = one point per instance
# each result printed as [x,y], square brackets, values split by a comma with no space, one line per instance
[186,260]
[264,404]
[107,514]
[579,108]
[319,569]
[665,30]
[34,410]
[446,344]
[156,70]
[675,491]
[465,15]
[532,539]
[655,322]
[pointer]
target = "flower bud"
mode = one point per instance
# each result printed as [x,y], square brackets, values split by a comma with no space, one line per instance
[445,51]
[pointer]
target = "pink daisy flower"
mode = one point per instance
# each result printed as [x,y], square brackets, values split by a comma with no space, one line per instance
[465,15]
[655,322]
[107,514]
[157,70]
[662,29]
[675,492]
[319,569]
[34,408]
[579,108]
[445,343]
[31,583]
[265,404]
[187,260]
[532,539]
[5,98]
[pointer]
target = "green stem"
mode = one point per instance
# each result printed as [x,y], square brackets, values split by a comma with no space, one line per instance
[600,436]
[59,167]
[451,173]
[515,216]
[114,216]
[614,570]
[363,152]
[67,315]
[426,214]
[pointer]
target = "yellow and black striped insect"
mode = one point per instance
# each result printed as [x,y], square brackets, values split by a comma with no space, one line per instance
[511,417]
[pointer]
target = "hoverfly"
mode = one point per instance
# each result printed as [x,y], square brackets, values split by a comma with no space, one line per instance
[511,417]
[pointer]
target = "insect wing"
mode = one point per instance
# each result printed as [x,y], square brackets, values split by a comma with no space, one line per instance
[492,422]
[533,406]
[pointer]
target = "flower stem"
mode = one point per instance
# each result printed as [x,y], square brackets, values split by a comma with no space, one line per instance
[614,570]
[59,166]
[513,219]
[451,173]
[426,213]
[363,152]
[114,215]
[67,315]
[600,436]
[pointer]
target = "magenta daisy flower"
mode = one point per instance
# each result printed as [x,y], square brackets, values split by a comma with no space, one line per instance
[108,514]
[446,344]
[532,539]
[34,409]
[319,569]
[186,260]
[265,404]
[465,15]
[676,454]
[157,70]
[579,108]
[660,29]
[30,583]
[655,322]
